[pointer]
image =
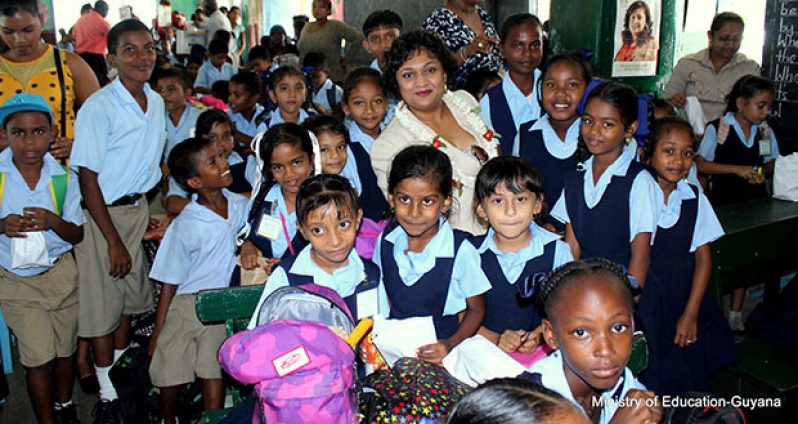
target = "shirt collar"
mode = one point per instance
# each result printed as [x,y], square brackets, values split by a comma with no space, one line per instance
[304,264]
[50,166]
[277,118]
[540,238]
[234,159]
[201,213]
[441,245]
[356,135]
[620,166]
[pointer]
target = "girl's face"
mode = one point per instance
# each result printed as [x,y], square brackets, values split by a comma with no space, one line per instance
[563,87]
[422,81]
[417,204]
[331,235]
[21,32]
[510,214]
[603,129]
[726,41]
[290,166]
[523,48]
[367,105]
[332,147]
[592,326]
[673,154]
[289,93]
[637,21]
[755,109]
[222,135]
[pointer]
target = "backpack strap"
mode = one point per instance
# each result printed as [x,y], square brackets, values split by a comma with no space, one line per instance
[2,186]
[331,96]
[58,189]
[59,68]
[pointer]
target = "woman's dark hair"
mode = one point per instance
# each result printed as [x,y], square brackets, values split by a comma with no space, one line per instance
[282,72]
[12,7]
[326,3]
[724,18]
[549,291]
[116,31]
[478,80]
[422,161]
[287,133]
[518,19]
[207,119]
[626,35]
[660,128]
[510,401]
[317,192]
[584,68]
[249,80]
[183,159]
[407,46]
[359,75]
[318,124]
[747,87]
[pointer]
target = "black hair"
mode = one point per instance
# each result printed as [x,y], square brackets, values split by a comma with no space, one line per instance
[217,46]
[12,7]
[724,18]
[128,25]
[478,80]
[207,119]
[358,75]
[321,123]
[517,175]
[194,59]
[663,104]
[663,126]
[286,133]
[221,90]
[317,60]
[282,72]
[250,81]
[510,401]
[326,3]
[425,162]
[584,68]
[85,8]
[626,35]
[234,8]
[183,159]
[747,87]
[548,293]
[259,52]
[101,7]
[318,191]
[222,35]
[178,74]
[198,51]
[223,9]
[518,19]
[408,45]
[384,18]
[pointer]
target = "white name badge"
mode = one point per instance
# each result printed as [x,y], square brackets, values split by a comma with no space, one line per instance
[366,304]
[764,147]
[269,227]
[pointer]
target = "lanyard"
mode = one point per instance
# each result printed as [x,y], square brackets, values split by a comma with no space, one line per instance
[285,232]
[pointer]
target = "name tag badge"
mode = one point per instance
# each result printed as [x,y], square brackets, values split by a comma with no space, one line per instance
[764,147]
[366,304]
[269,227]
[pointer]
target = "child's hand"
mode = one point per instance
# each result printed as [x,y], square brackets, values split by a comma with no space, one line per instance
[678,100]
[639,407]
[61,147]
[511,340]
[749,174]
[270,263]
[38,219]
[433,353]
[531,340]
[249,255]
[119,259]
[686,330]
[153,341]
[13,226]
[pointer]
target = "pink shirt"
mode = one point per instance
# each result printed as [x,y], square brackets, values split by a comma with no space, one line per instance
[91,32]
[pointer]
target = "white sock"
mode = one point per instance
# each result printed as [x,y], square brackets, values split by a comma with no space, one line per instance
[107,390]
[118,353]
[61,405]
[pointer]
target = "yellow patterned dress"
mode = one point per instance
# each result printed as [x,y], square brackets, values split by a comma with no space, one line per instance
[40,76]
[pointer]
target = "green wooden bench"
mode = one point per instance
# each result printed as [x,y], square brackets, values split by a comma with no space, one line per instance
[758,245]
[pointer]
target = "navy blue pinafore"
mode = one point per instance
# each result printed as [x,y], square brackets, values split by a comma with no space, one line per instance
[427,297]
[501,118]
[371,198]
[729,188]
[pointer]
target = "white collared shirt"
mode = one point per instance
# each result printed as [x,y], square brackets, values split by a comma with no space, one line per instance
[520,107]
[320,96]
[709,142]
[248,127]
[184,129]
[277,117]
[707,226]
[209,74]
[560,149]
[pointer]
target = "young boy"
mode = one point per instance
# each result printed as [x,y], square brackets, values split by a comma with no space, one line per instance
[380,29]
[193,64]
[260,62]
[215,68]
[181,117]
[120,133]
[198,252]
[326,94]
[39,200]
[247,115]
[288,92]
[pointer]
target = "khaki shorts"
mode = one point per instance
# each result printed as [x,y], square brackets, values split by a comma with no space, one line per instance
[185,346]
[42,311]
[104,299]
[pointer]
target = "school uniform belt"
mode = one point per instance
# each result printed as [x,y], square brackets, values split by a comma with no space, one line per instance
[127,200]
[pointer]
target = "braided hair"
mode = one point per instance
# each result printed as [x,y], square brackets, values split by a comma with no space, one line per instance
[568,274]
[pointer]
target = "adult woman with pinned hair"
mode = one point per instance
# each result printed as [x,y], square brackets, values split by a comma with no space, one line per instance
[639,44]
[419,70]
[324,35]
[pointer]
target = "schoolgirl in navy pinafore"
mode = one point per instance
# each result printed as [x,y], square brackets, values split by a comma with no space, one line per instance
[371,198]
[238,172]
[672,369]
[427,296]
[730,188]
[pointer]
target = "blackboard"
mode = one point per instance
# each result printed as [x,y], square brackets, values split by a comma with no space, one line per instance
[780,65]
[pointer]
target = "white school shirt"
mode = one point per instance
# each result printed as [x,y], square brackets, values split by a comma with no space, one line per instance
[560,149]
[176,190]
[320,96]
[198,250]
[553,378]
[375,64]
[280,244]
[350,171]
[522,109]
[277,117]
[120,142]
[249,127]
[17,196]
[468,279]
[710,140]
[209,74]
[343,280]
[643,210]
[513,263]
[185,128]
[707,226]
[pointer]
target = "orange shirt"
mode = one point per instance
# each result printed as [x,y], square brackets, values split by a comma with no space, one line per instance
[91,33]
